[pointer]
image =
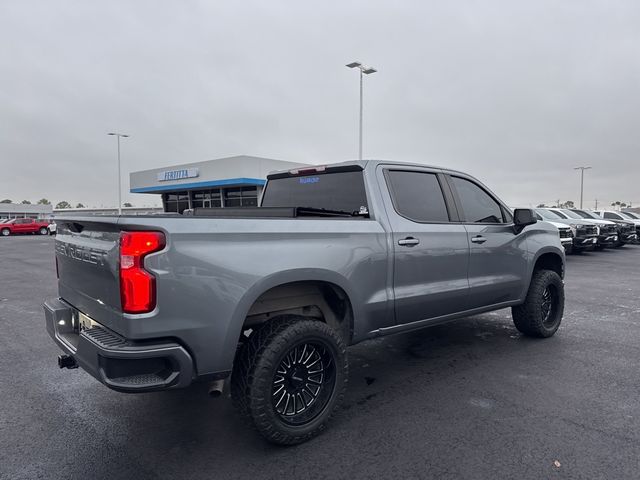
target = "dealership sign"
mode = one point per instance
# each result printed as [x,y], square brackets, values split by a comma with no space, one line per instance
[178,174]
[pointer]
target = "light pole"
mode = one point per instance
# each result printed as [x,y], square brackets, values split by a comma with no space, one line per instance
[363,71]
[582,169]
[118,135]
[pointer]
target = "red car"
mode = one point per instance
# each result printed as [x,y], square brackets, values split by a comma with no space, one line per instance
[24,225]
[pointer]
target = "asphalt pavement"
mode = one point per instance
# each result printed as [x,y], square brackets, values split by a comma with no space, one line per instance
[471,399]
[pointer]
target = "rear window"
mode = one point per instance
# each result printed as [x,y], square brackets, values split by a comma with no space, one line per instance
[332,191]
[417,196]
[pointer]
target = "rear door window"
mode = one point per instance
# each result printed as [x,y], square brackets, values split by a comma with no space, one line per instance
[417,196]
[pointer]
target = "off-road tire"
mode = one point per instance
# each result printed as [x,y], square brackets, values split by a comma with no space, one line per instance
[254,372]
[529,318]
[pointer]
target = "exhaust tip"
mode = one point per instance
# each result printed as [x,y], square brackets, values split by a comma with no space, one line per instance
[215,388]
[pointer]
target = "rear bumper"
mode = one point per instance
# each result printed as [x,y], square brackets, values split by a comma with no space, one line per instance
[118,363]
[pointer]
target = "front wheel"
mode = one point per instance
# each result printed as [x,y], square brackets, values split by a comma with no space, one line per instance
[44,231]
[289,378]
[541,313]
[5,232]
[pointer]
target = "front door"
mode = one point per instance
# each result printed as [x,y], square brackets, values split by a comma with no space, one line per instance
[498,259]
[431,252]
[21,225]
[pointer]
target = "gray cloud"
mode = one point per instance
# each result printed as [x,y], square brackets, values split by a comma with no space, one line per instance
[516,93]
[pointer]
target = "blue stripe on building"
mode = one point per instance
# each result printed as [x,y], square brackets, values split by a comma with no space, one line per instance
[175,187]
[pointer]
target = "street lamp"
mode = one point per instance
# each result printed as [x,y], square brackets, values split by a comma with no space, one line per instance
[118,135]
[582,169]
[363,71]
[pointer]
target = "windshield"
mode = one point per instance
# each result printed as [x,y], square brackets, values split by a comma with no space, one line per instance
[587,214]
[549,215]
[629,215]
[571,214]
[341,191]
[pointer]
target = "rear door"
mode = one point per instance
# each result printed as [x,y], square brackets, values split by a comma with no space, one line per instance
[497,261]
[431,251]
[30,225]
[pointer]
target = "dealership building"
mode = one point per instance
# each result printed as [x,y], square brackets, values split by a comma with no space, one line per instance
[19,210]
[223,182]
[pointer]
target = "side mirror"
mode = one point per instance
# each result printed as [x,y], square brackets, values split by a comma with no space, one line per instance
[523,217]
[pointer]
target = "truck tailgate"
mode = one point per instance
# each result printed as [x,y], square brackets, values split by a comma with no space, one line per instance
[87,256]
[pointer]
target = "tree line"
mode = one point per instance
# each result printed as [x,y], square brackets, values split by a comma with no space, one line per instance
[570,204]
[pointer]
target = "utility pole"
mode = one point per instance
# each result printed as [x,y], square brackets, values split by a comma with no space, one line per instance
[118,135]
[582,169]
[596,203]
[363,71]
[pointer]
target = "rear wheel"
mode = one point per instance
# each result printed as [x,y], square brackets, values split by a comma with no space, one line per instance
[44,231]
[5,232]
[541,313]
[289,378]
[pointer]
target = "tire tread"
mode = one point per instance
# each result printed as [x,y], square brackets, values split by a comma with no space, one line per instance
[253,368]
[526,317]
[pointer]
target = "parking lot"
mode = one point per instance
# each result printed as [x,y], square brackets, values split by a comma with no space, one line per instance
[471,399]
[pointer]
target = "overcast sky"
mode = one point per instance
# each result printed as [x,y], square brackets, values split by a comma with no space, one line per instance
[516,93]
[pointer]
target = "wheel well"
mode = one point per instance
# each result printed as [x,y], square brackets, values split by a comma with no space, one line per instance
[323,301]
[550,261]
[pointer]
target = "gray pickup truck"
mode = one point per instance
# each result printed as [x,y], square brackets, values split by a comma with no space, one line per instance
[271,296]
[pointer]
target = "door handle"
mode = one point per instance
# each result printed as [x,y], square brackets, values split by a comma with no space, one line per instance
[478,239]
[408,242]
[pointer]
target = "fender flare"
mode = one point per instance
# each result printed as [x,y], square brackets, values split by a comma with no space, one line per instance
[267,283]
[559,252]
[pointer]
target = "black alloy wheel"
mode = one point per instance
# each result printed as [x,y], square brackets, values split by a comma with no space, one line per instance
[303,383]
[549,304]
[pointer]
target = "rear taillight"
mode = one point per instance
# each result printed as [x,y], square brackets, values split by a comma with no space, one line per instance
[137,286]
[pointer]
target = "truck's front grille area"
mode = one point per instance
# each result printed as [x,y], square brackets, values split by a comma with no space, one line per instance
[104,338]
[587,230]
[566,233]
